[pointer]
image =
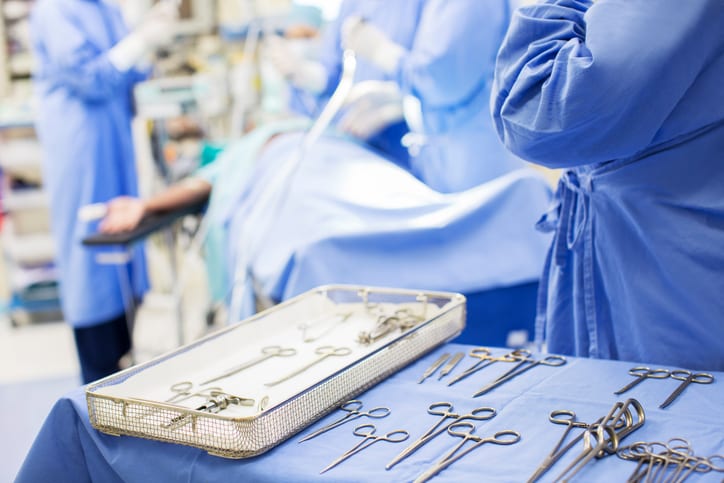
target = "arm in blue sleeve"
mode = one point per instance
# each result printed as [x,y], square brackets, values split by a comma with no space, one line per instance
[454,51]
[71,59]
[579,83]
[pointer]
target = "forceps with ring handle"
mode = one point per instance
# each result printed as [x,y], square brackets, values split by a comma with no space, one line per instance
[552,361]
[184,392]
[686,378]
[642,373]
[445,410]
[352,408]
[367,432]
[266,353]
[485,359]
[323,352]
[465,430]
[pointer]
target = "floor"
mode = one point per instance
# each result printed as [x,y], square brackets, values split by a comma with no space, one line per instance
[38,361]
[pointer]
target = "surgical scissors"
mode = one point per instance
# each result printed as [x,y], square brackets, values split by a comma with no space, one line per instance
[687,377]
[353,412]
[504,437]
[367,432]
[323,352]
[445,411]
[485,359]
[559,416]
[553,361]
[266,353]
[641,373]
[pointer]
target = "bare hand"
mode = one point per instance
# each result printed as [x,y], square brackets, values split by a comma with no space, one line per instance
[124,213]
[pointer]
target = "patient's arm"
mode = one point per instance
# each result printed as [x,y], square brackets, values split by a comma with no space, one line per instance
[125,213]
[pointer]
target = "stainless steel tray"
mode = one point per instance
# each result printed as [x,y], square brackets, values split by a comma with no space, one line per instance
[139,401]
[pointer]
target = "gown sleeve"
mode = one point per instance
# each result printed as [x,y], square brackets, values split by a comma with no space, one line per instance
[578,82]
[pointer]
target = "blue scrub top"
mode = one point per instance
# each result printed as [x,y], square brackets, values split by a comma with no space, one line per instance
[84,125]
[627,95]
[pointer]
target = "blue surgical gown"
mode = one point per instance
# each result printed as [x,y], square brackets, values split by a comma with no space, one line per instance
[627,96]
[449,69]
[398,20]
[84,125]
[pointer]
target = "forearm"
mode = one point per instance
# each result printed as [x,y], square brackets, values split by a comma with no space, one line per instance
[187,192]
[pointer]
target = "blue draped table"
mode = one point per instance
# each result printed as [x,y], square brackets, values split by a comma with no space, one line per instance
[68,449]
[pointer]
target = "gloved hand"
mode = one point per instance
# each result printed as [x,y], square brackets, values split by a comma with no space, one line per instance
[157,29]
[372,44]
[373,105]
[302,73]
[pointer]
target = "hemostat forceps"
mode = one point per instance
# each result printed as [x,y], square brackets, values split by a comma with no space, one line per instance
[485,359]
[367,432]
[266,353]
[465,431]
[353,412]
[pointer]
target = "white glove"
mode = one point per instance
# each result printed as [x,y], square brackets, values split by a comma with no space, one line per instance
[373,105]
[304,74]
[372,44]
[157,29]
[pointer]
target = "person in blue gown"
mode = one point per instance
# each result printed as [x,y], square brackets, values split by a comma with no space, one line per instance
[432,58]
[86,62]
[627,98]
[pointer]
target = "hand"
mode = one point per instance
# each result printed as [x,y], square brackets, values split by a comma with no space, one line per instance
[371,43]
[158,26]
[304,74]
[123,214]
[373,105]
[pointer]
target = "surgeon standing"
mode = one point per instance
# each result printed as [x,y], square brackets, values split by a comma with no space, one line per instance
[86,67]
[627,97]
[429,62]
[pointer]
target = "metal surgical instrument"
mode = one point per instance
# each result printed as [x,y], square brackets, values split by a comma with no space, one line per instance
[323,352]
[445,411]
[367,432]
[451,365]
[687,377]
[183,392]
[560,416]
[486,359]
[353,412]
[642,373]
[330,323]
[266,353]
[465,431]
[553,361]
[434,367]
[216,403]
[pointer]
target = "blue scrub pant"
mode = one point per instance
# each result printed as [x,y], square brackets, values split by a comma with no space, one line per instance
[101,346]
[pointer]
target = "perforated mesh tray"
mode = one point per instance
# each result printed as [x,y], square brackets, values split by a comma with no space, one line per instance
[241,436]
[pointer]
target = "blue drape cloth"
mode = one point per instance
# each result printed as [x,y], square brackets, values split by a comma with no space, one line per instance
[68,449]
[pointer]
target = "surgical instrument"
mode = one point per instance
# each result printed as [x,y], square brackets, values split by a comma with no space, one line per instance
[183,392]
[553,361]
[607,435]
[434,367]
[367,432]
[215,404]
[266,353]
[655,460]
[323,353]
[330,322]
[687,377]
[465,431]
[451,365]
[485,359]
[559,416]
[445,410]
[353,412]
[642,373]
